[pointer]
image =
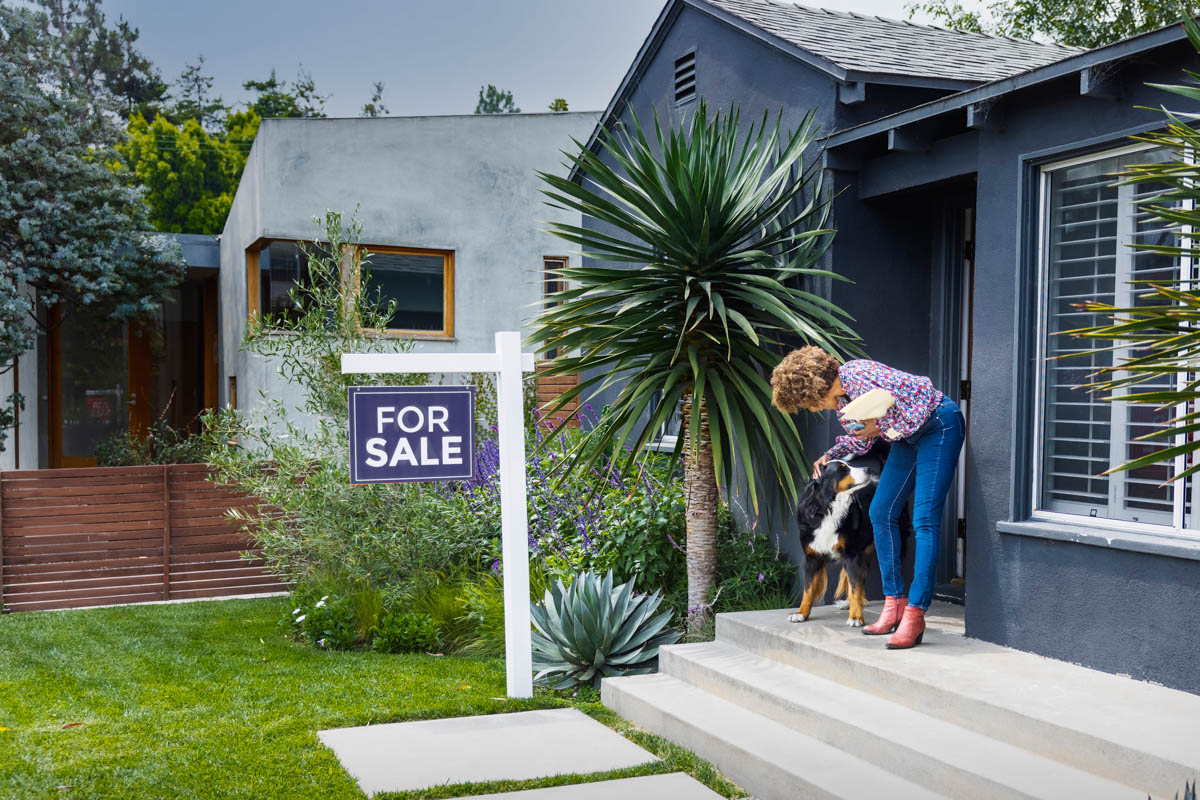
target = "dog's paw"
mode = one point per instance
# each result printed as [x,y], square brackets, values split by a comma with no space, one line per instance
[841,603]
[854,623]
[797,618]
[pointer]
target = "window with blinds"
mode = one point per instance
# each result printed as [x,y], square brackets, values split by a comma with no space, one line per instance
[1090,225]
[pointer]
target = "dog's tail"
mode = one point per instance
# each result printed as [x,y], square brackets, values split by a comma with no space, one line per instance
[843,587]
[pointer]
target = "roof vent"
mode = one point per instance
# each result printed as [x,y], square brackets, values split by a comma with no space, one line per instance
[685,78]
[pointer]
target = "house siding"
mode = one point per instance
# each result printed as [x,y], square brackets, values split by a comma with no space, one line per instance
[1112,609]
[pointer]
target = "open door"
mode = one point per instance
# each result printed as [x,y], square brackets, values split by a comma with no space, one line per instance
[954,252]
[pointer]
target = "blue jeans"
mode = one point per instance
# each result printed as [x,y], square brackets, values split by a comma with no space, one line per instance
[927,465]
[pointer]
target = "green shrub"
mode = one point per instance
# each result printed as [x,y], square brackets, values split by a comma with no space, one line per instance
[407,632]
[593,630]
[483,598]
[367,605]
[161,444]
[440,596]
[752,574]
[329,623]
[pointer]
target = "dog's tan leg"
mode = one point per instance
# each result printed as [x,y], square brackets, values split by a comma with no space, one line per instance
[858,599]
[813,592]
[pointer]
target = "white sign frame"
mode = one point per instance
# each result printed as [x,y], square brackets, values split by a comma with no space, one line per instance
[508,363]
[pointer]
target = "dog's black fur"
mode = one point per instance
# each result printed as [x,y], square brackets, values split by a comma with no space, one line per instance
[853,540]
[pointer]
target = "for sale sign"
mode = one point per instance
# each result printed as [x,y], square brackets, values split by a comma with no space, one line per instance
[411,433]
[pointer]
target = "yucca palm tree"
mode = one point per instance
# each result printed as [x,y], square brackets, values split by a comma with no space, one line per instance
[1161,333]
[712,233]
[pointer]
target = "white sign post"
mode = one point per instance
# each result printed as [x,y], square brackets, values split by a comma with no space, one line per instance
[508,363]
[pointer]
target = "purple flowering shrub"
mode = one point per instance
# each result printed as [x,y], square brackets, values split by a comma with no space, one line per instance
[599,521]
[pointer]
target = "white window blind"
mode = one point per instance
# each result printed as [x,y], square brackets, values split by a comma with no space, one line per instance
[1089,227]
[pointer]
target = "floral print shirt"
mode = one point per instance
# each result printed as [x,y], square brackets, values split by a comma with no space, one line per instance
[915,397]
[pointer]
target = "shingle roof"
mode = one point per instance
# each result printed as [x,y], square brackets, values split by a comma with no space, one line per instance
[865,43]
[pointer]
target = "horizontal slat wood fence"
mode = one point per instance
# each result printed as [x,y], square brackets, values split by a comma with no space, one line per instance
[549,388]
[71,538]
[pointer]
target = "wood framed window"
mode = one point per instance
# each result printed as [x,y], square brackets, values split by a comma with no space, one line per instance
[552,284]
[419,280]
[550,387]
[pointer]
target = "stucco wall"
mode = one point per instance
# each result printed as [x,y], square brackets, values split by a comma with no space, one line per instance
[27,422]
[462,183]
[1120,611]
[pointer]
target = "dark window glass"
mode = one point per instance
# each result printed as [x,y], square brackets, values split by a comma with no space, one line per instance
[281,266]
[416,281]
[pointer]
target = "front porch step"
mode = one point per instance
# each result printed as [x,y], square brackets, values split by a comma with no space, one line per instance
[1126,731]
[925,750]
[770,759]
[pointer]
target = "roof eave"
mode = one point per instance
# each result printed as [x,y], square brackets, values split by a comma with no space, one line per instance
[1002,86]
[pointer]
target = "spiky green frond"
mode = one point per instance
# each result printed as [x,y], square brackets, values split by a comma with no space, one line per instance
[701,252]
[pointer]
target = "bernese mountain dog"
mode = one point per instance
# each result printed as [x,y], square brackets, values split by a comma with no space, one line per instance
[835,526]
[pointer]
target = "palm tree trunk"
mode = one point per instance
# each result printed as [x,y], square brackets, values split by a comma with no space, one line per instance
[702,498]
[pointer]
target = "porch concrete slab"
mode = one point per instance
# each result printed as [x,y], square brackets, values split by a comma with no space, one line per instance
[405,756]
[1122,729]
[672,786]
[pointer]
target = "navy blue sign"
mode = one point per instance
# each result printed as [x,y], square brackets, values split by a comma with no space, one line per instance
[411,433]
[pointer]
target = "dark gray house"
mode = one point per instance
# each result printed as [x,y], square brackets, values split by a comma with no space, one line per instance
[975,206]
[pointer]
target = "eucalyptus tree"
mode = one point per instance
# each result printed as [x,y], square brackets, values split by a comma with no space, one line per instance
[695,279]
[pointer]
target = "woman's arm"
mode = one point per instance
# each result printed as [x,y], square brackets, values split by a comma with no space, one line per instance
[915,395]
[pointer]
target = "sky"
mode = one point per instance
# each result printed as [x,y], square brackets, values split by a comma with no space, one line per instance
[432,55]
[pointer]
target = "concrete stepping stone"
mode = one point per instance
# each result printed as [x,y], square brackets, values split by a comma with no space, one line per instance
[404,756]
[672,786]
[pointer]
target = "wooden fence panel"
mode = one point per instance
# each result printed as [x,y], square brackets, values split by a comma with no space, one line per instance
[71,538]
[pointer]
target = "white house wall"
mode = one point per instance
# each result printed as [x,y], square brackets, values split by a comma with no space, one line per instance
[27,422]
[462,183]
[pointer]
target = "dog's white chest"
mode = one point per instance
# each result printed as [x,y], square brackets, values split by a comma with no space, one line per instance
[825,538]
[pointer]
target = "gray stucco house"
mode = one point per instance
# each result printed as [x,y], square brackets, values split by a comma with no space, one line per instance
[450,207]
[970,174]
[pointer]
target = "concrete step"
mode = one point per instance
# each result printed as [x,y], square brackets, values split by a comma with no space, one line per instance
[767,758]
[925,750]
[1126,731]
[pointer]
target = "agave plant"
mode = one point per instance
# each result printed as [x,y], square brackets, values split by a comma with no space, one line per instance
[1189,792]
[714,234]
[1160,335]
[592,630]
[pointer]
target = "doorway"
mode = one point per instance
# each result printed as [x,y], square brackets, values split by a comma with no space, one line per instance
[108,379]
[953,308]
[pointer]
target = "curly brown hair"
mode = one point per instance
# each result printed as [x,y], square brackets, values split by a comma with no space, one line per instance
[802,378]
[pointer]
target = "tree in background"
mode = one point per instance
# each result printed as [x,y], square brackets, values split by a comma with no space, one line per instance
[189,175]
[709,229]
[558,105]
[495,101]
[276,98]
[70,229]
[194,99]
[1078,23]
[375,107]
[99,59]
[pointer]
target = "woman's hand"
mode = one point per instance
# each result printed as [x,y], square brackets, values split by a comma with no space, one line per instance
[870,429]
[820,462]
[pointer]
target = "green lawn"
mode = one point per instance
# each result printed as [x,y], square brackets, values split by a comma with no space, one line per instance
[208,700]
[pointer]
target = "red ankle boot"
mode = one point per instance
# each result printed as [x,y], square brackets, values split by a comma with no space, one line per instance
[889,618]
[912,628]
